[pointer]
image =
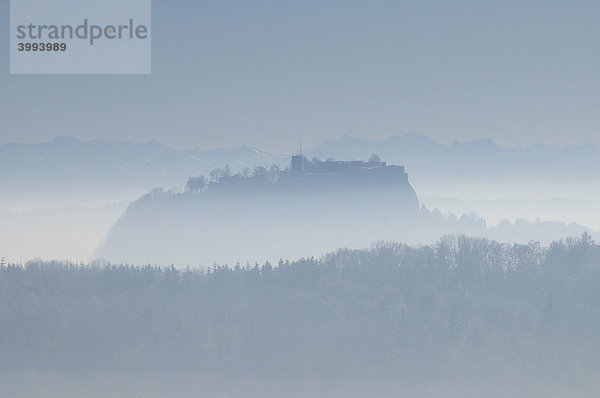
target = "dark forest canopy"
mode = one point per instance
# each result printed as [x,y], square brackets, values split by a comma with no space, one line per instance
[462,306]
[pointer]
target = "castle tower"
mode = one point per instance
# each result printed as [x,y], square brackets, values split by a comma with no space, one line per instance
[297,164]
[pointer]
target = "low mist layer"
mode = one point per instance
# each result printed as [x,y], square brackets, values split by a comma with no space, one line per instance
[212,227]
[60,195]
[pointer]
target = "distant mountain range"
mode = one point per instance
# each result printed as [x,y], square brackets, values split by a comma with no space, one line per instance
[66,163]
[480,160]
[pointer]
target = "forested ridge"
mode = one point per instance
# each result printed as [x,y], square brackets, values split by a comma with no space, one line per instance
[462,306]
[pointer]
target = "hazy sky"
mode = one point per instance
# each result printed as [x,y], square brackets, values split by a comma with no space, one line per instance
[265,73]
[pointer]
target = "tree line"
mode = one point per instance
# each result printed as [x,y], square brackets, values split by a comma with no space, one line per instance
[462,306]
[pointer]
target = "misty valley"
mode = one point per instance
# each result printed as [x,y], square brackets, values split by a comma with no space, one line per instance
[299,199]
[293,276]
[306,209]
